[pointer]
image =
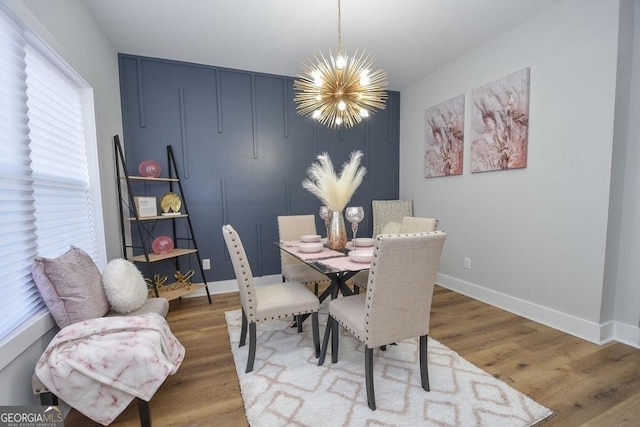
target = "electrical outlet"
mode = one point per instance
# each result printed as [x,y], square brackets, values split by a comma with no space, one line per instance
[467,263]
[206,264]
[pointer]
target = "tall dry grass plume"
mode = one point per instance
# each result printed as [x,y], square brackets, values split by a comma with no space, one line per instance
[334,190]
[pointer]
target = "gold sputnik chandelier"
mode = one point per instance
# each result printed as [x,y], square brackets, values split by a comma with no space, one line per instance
[341,90]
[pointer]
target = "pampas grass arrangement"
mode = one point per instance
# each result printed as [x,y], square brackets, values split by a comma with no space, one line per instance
[334,190]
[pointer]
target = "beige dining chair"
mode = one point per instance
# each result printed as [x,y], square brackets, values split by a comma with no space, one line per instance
[397,304]
[291,227]
[409,224]
[267,302]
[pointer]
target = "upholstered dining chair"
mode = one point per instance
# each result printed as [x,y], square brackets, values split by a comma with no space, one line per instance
[416,224]
[267,302]
[397,304]
[389,212]
[291,227]
[409,224]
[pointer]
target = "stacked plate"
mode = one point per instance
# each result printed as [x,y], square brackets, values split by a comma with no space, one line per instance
[310,243]
[364,242]
[310,247]
[361,255]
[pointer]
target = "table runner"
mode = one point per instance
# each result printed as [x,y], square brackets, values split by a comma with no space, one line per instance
[345,264]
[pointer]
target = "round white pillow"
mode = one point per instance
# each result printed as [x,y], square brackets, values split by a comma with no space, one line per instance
[124,286]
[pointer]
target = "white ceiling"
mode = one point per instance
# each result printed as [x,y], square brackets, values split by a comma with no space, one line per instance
[410,38]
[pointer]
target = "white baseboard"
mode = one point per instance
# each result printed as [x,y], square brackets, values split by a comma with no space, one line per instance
[627,334]
[590,331]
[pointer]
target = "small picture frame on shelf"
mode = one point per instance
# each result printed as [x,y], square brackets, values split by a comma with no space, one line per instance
[146,206]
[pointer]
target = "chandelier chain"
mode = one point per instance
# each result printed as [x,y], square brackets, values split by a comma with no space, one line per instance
[339,28]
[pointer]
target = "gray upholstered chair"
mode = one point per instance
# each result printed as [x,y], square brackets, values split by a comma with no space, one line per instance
[397,304]
[267,302]
[389,211]
[291,227]
[409,224]
[71,286]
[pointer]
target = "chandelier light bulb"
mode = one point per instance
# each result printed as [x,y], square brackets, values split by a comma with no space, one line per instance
[342,106]
[364,113]
[364,78]
[317,78]
[338,121]
[340,62]
[316,114]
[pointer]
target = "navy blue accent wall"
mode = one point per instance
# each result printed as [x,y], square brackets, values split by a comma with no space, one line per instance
[242,151]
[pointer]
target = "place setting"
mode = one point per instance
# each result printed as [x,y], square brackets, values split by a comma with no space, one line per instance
[310,247]
[359,251]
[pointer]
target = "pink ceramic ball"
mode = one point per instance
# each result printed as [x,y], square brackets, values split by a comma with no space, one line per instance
[162,245]
[150,168]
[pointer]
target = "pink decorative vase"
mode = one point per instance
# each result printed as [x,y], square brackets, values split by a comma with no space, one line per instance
[150,169]
[162,245]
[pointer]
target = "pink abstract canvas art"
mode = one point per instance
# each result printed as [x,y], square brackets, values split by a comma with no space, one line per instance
[500,124]
[444,138]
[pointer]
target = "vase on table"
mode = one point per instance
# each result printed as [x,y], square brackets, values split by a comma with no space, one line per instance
[337,236]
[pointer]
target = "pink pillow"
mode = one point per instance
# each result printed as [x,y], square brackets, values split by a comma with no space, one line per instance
[71,286]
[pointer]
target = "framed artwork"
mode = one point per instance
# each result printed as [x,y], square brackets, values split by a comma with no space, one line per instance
[500,123]
[444,138]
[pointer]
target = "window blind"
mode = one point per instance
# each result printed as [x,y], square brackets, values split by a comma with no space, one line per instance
[45,198]
[17,212]
[59,167]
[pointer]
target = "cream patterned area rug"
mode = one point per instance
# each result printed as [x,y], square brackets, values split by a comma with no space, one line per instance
[288,388]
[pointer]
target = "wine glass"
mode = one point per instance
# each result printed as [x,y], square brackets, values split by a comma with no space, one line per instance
[354,215]
[325,214]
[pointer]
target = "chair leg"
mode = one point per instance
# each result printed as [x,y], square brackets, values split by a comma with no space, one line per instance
[252,347]
[299,322]
[144,412]
[243,330]
[316,333]
[334,340]
[325,341]
[48,399]
[368,373]
[424,368]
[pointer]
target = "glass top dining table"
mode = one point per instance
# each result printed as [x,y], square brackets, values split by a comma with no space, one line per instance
[336,265]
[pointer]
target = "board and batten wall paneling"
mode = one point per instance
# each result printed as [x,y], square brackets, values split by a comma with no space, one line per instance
[243,150]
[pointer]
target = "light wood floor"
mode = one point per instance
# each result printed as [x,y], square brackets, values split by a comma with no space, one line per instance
[584,384]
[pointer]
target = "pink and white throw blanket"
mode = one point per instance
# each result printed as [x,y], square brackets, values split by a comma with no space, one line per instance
[98,366]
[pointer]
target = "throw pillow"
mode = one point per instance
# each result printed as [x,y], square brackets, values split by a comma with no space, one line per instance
[124,286]
[71,287]
[390,228]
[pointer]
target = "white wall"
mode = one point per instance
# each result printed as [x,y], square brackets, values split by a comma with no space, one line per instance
[536,236]
[70,29]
